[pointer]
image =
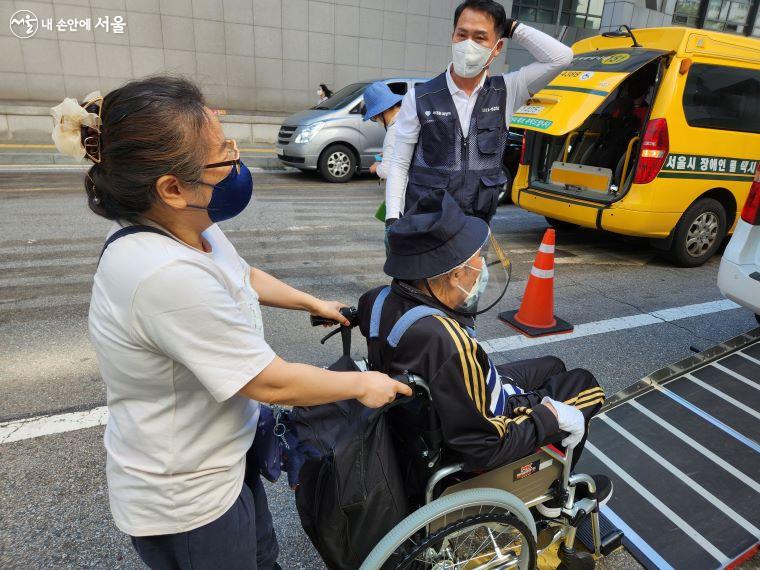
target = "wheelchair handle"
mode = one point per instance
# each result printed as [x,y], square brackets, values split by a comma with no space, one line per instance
[351,313]
[414,381]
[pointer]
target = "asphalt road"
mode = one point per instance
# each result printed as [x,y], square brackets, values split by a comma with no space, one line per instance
[315,236]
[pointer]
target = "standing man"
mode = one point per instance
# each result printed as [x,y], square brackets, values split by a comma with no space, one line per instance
[451,131]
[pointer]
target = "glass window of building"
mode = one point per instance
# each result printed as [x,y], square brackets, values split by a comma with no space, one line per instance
[686,13]
[756,27]
[577,13]
[727,15]
[732,16]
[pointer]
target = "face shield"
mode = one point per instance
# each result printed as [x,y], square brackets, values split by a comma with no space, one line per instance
[476,285]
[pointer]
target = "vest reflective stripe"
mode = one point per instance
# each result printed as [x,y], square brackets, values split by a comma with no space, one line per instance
[469,168]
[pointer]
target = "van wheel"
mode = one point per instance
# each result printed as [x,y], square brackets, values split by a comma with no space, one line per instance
[560,225]
[337,163]
[698,234]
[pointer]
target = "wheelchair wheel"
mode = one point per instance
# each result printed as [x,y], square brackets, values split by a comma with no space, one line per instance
[478,528]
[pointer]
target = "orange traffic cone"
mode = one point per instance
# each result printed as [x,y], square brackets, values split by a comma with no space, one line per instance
[536,315]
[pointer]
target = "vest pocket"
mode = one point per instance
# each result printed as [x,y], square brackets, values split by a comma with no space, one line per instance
[437,138]
[488,194]
[422,182]
[488,140]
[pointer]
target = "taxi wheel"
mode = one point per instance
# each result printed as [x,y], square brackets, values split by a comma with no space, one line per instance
[698,234]
[337,163]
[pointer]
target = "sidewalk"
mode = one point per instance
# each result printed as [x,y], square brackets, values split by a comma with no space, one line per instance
[16,157]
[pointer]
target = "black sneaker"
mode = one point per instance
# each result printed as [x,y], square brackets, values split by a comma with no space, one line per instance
[552,508]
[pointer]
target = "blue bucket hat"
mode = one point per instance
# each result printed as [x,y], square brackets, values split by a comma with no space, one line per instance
[378,98]
[433,238]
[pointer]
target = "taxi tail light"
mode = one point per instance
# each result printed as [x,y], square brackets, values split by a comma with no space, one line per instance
[522,150]
[654,151]
[751,210]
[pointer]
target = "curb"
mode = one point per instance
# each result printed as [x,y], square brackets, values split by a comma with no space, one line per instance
[64,168]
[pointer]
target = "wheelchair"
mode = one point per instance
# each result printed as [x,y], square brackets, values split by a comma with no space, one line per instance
[483,521]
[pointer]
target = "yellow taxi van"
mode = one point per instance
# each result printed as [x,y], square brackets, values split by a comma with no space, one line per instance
[652,133]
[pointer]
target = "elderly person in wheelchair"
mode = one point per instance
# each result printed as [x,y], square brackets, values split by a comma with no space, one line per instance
[442,263]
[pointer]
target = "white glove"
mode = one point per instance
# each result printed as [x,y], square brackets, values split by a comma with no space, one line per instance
[570,419]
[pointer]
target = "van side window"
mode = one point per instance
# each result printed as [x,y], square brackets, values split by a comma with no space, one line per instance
[720,97]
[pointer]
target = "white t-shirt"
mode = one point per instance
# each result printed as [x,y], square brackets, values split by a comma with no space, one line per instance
[177,333]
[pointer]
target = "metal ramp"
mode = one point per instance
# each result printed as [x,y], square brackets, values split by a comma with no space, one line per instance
[682,447]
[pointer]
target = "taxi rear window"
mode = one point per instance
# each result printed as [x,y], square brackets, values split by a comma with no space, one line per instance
[613,60]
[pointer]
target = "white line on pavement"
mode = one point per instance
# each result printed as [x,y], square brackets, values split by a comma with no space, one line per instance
[57,168]
[516,341]
[45,425]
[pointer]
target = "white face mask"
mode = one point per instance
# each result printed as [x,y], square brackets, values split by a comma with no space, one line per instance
[470,57]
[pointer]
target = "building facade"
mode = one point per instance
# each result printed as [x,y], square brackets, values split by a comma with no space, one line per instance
[269,56]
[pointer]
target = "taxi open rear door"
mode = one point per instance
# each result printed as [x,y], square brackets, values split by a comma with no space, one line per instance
[564,104]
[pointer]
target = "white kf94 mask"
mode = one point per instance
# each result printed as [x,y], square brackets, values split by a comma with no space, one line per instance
[470,57]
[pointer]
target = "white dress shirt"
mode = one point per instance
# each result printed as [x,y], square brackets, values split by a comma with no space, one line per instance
[552,56]
[388,143]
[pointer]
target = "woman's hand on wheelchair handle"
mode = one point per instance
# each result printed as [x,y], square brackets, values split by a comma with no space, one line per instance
[378,389]
[330,310]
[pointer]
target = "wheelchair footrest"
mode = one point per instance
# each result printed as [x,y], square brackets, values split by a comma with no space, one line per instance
[611,536]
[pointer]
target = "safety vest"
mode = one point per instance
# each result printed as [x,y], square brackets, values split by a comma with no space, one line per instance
[470,167]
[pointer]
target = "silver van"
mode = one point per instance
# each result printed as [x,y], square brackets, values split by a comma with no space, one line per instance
[332,138]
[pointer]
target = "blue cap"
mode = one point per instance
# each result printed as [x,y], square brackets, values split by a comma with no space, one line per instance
[378,98]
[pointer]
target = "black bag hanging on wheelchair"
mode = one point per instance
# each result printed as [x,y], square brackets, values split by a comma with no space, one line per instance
[356,491]
[353,493]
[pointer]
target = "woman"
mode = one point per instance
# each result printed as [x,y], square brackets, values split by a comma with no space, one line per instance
[323,92]
[176,325]
[381,107]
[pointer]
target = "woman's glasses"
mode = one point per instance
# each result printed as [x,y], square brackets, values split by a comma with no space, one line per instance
[234,156]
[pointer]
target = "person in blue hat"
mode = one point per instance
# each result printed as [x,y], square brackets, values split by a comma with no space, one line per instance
[381,107]
[446,269]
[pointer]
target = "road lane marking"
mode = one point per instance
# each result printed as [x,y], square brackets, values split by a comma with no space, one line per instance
[46,425]
[58,168]
[268,150]
[513,342]
[39,426]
